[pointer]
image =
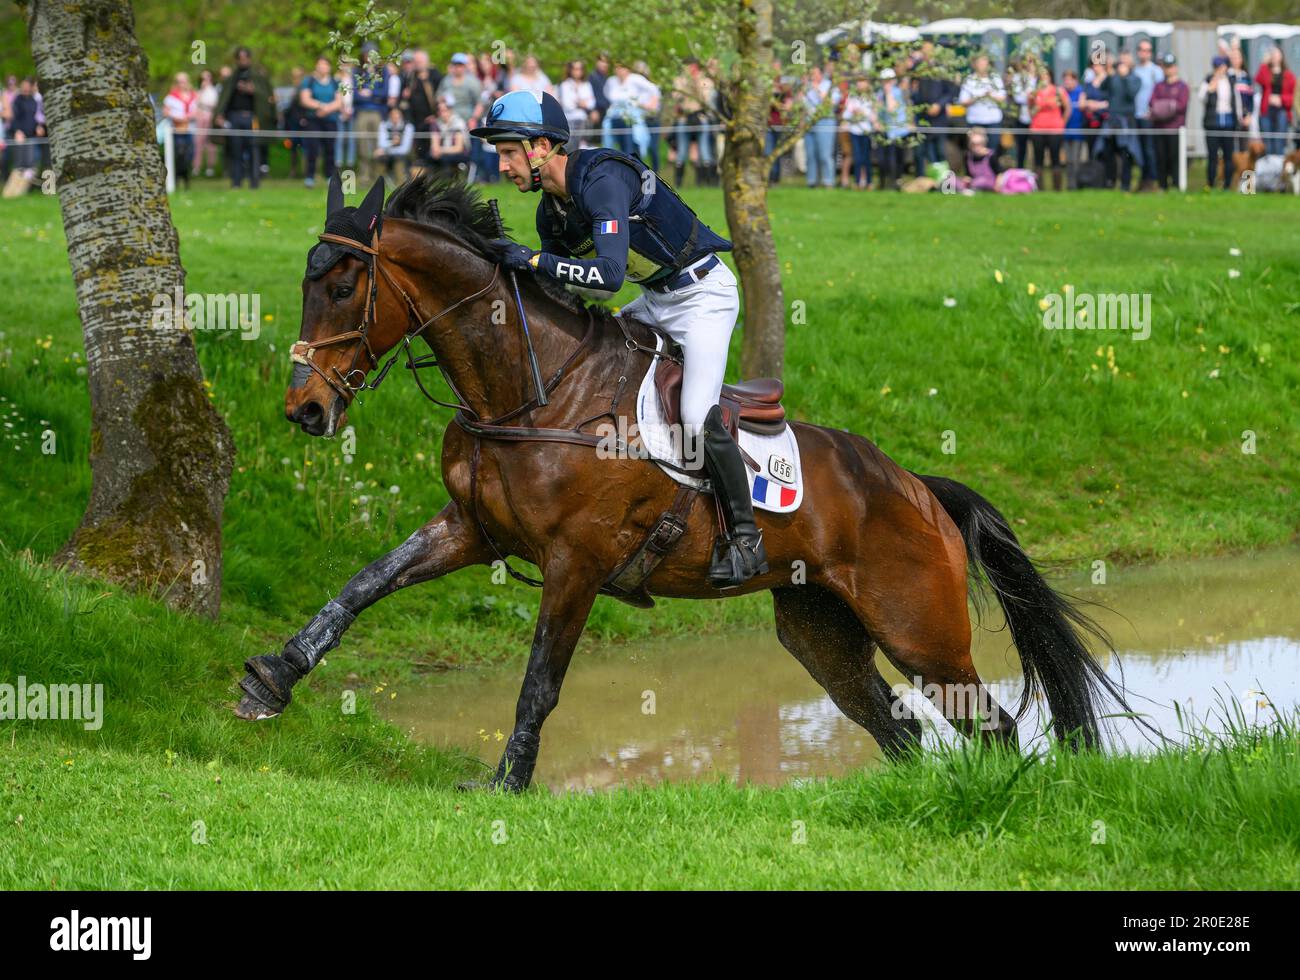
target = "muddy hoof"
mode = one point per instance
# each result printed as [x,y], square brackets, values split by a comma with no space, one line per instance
[254,709]
[267,687]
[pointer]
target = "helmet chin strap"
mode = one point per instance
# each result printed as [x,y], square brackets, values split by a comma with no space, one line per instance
[536,183]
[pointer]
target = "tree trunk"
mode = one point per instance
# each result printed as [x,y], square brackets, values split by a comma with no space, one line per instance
[744,182]
[160,454]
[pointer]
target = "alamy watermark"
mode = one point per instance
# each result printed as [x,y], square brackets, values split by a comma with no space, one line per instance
[963,701]
[208,311]
[53,702]
[628,440]
[75,933]
[1068,310]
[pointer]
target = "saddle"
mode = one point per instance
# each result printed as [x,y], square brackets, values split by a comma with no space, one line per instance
[754,405]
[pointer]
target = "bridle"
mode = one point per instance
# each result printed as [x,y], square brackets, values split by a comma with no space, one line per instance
[304,351]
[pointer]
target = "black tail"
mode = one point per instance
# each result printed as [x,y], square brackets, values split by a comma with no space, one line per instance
[1047,629]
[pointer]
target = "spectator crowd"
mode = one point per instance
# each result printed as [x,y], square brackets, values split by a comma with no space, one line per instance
[913,125]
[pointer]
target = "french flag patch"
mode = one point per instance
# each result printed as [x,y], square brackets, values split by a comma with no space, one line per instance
[607,228]
[762,486]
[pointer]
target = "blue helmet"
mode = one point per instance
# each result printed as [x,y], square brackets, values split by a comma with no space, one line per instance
[524,116]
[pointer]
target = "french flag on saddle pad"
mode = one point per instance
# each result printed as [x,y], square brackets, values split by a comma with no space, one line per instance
[607,228]
[762,486]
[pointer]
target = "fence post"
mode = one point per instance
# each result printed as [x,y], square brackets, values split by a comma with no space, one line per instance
[169,156]
[1182,158]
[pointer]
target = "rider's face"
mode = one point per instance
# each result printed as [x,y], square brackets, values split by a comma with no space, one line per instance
[514,162]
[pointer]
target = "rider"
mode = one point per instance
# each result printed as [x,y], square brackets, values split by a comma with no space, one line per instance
[604,217]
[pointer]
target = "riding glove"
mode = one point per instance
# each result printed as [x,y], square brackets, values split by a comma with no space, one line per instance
[512,255]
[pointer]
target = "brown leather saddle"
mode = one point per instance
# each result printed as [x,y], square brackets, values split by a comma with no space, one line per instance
[756,404]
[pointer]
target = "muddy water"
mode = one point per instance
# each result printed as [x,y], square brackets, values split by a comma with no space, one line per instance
[742,708]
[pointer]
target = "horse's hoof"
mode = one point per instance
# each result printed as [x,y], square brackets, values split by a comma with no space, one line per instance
[252,709]
[267,687]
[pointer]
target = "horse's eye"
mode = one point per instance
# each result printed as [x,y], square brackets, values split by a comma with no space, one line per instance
[342,292]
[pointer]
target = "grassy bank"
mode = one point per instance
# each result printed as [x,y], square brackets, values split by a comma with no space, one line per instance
[918,316]
[173,792]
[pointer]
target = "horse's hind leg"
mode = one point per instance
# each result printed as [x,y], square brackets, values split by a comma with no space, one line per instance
[828,639]
[445,544]
[924,630]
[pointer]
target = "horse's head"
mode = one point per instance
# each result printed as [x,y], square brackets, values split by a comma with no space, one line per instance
[342,335]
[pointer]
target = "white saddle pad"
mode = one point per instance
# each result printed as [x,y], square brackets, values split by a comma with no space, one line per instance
[776,487]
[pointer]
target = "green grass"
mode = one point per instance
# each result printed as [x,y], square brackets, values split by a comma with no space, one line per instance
[1089,463]
[173,792]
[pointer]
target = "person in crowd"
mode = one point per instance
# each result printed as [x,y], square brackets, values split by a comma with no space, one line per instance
[693,97]
[179,108]
[388,88]
[931,93]
[577,99]
[599,76]
[5,117]
[860,117]
[449,149]
[394,140]
[1276,99]
[321,102]
[482,154]
[1168,114]
[462,89]
[1074,143]
[983,95]
[624,90]
[646,135]
[369,109]
[1048,107]
[1121,148]
[1022,83]
[205,110]
[246,104]
[819,141]
[843,144]
[779,112]
[345,143]
[420,99]
[1248,123]
[25,124]
[895,127]
[531,78]
[1148,74]
[290,112]
[982,165]
[1222,113]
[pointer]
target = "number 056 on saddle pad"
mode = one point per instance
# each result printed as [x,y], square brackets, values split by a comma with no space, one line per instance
[767,443]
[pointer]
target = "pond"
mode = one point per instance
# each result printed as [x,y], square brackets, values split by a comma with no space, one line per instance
[741,708]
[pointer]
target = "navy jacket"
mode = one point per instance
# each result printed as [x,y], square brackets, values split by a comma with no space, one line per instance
[620,221]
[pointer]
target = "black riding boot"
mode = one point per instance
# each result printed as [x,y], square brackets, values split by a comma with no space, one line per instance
[679,174]
[738,554]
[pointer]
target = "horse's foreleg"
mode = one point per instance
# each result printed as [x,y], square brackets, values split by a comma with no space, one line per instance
[445,544]
[566,603]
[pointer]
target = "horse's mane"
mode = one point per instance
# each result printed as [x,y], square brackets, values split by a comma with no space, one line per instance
[452,204]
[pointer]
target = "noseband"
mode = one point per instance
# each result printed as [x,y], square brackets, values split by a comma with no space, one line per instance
[304,351]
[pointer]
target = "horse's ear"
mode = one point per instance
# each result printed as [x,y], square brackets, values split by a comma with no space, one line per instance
[368,212]
[374,201]
[334,199]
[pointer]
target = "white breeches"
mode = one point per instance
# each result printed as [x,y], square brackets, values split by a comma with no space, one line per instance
[699,317]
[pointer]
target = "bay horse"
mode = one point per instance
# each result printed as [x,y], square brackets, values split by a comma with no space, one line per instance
[875,559]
